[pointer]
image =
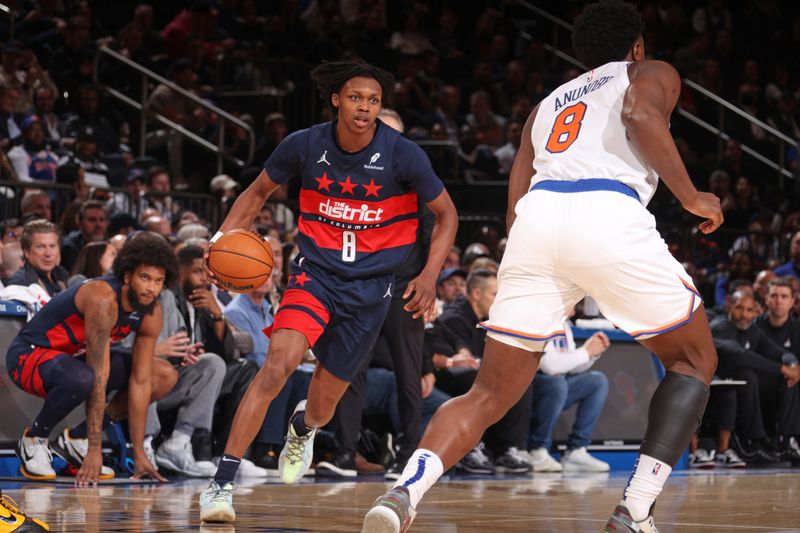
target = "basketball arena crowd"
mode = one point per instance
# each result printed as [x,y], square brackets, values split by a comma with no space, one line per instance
[79,181]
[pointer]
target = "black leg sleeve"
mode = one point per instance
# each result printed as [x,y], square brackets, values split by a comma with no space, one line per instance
[674,415]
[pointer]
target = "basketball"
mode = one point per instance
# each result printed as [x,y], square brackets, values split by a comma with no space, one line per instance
[241,260]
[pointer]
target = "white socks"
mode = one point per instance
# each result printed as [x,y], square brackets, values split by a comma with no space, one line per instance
[649,476]
[421,472]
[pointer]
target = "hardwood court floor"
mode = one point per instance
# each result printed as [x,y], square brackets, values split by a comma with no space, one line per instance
[692,502]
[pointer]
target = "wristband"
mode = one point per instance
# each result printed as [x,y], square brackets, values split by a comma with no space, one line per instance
[216,237]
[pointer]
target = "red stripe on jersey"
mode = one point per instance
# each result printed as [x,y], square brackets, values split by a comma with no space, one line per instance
[58,339]
[78,327]
[401,233]
[356,211]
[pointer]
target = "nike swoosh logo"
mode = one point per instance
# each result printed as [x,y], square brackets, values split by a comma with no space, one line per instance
[230,460]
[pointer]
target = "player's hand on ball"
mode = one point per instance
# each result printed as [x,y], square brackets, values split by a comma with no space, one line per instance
[423,302]
[706,205]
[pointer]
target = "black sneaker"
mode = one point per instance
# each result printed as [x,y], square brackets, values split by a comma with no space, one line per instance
[343,465]
[476,462]
[268,460]
[791,451]
[395,469]
[755,455]
[512,463]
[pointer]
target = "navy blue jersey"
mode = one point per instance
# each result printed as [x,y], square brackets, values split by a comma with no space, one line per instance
[358,211]
[60,326]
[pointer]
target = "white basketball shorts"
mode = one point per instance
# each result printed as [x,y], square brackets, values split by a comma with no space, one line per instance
[565,245]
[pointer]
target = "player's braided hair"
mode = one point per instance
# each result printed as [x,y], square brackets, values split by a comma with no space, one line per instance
[605,31]
[147,248]
[331,75]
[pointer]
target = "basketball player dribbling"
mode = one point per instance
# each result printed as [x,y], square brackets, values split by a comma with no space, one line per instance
[361,181]
[588,164]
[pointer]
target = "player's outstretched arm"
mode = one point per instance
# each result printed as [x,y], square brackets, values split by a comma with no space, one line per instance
[649,102]
[98,303]
[519,181]
[140,388]
[423,287]
[249,203]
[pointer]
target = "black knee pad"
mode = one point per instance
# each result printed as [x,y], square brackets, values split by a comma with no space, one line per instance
[674,415]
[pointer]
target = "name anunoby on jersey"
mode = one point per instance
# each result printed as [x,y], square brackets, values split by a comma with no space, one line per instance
[575,94]
[342,211]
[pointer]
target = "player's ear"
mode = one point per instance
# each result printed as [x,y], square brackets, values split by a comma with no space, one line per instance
[335,100]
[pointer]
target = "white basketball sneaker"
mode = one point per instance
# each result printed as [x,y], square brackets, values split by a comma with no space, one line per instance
[34,454]
[297,453]
[579,460]
[542,461]
[216,503]
[177,455]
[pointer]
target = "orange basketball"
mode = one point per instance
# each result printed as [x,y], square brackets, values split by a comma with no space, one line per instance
[241,260]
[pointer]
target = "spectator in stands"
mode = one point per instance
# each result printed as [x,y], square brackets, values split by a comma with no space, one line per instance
[453,259]
[36,202]
[507,436]
[746,204]
[44,101]
[86,155]
[87,116]
[66,62]
[159,184]
[505,154]
[11,261]
[784,331]
[411,40]
[10,120]
[92,225]
[275,129]
[476,160]
[488,126]
[447,111]
[94,260]
[191,33]
[21,69]
[747,354]
[741,267]
[761,284]
[253,313]
[73,174]
[42,253]
[792,267]
[32,159]
[225,189]
[143,18]
[200,377]
[171,104]
[158,224]
[205,322]
[564,379]
[451,284]
[11,230]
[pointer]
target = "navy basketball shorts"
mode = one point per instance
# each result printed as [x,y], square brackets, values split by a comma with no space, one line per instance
[29,367]
[340,317]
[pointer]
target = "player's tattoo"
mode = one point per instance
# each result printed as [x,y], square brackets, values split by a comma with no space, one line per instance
[100,319]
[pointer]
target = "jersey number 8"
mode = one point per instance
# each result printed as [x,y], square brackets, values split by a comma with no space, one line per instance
[566,128]
[348,246]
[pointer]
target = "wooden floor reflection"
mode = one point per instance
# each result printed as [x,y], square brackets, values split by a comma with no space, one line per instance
[692,502]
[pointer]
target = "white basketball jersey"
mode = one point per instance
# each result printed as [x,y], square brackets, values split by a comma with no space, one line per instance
[578,133]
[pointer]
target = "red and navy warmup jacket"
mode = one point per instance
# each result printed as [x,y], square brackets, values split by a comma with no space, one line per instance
[358,211]
[59,326]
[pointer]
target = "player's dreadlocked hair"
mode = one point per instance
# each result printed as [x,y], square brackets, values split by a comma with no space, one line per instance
[331,75]
[146,248]
[605,31]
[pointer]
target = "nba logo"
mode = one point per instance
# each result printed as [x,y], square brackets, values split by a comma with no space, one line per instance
[656,469]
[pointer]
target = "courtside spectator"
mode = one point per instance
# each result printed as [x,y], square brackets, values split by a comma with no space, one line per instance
[42,253]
